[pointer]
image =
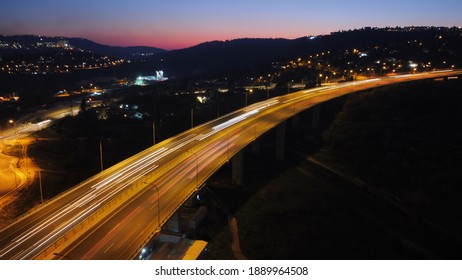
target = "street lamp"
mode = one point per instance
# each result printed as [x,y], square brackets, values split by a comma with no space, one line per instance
[153,132]
[40,180]
[192,117]
[40,184]
[101,154]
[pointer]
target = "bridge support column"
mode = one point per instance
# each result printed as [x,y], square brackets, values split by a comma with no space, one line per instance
[280,140]
[316,116]
[238,168]
[256,147]
[296,120]
[173,224]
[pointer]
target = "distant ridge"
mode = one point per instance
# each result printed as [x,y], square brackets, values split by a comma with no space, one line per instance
[250,55]
[217,57]
[85,44]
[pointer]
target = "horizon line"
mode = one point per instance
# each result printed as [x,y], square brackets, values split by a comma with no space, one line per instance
[233,39]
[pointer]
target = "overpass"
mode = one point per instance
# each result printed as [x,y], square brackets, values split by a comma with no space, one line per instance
[114,213]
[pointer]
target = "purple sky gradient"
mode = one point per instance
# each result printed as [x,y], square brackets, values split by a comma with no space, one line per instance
[174,24]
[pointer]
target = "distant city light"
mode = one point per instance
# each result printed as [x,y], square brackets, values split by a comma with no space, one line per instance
[145,80]
[202,99]
[412,64]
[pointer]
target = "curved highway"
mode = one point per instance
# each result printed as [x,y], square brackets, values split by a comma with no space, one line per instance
[114,213]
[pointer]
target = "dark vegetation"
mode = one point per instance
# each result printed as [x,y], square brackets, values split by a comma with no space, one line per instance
[406,142]
[247,57]
[69,151]
[402,141]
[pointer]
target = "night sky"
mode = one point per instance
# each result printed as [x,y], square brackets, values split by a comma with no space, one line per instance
[174,24]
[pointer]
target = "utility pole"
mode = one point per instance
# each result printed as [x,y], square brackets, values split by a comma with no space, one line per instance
[101,153]
[192,117]
[246,97]
[40,183]
[217,100]
[153,133]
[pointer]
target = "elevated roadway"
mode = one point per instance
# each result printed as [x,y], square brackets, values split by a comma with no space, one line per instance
[114,213]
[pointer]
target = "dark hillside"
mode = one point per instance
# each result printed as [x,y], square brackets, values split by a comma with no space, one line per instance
[406,142]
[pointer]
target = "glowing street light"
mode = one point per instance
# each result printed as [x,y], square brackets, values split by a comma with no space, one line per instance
[40,184]
[101,154]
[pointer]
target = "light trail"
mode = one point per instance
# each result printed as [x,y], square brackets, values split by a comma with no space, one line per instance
[174,167]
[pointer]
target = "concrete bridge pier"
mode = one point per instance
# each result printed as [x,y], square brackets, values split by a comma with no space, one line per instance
[296,120]
[280,140]
[238,168]
[173,224]
[256,147]
[316,116]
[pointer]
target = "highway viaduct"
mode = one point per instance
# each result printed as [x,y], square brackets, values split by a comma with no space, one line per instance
[113,214]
